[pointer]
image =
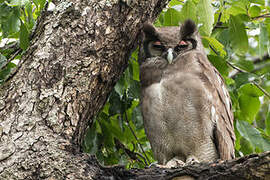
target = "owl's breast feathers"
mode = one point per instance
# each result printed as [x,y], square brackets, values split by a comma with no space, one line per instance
[151,71]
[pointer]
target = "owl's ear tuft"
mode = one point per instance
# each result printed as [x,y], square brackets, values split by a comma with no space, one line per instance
[149,31]
[188,28]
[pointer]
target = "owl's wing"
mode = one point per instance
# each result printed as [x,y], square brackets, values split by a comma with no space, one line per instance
[222,114]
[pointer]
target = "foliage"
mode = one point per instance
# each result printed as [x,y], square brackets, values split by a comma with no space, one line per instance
[235,34]
[236,38]
[17,19]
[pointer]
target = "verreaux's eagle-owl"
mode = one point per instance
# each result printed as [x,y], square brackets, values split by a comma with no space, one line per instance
[186,107]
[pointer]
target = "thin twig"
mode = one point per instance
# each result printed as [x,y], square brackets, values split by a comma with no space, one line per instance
[220,26]
[133,133]
[263,90]
[267,15]
[260,59]
[10,59]
[213,49]
[260,67]
[236,68]
[253,82]
[146,160]
[131,154]
[219,23]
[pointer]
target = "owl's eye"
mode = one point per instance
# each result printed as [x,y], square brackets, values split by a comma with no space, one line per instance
[181,45]
[158,45]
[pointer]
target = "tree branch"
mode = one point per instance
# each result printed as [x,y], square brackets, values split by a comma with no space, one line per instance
[254,166]
[267,15]
[260,59]
[262,89]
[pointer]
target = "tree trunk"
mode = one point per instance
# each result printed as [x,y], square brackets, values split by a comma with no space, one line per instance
[77,54]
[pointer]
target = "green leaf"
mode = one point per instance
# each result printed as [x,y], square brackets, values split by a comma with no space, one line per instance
[10,23]
[238,139]
[18,2]
[238,35]
[245,65]
[188,11]
[267,122]
[206,16]
[134,89]
[223,37]
[30,19]
[216,45]
[242,78]
[263,40]
[251,90]
[116,105]
[137,117]
[171,17]
[254,11]
[116,128]
[246,146]
[262,2]
[175,2]
[42,3]
[238,7]
[220,64]
[3,59]
[128,75]
[106,131]
[5,72]
[24,36]
[160,20]
[267,23]
[135,65]
[120,86]
[252,135]
[249,107]
[91,140]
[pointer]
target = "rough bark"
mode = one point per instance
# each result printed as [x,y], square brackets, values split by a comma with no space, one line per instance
[77,53]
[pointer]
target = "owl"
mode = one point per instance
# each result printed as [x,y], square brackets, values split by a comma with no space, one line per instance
[186,108]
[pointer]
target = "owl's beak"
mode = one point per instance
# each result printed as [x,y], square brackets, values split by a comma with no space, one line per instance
[170,55]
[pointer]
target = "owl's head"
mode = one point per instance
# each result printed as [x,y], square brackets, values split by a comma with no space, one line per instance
[169,42]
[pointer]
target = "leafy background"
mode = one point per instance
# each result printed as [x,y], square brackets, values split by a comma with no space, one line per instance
[236,37]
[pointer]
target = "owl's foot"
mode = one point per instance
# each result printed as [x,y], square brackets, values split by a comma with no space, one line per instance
[192,160]
[174,162]
[170,164]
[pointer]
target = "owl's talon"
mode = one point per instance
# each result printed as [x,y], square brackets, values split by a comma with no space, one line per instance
[175,163]
[156,165]
[192,160]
